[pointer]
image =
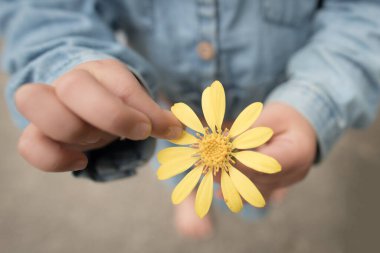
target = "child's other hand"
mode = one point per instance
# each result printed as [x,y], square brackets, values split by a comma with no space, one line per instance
[293,145]
[86,108]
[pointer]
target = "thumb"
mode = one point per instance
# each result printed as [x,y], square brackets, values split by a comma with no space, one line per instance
[164,123]
[281,148]
[116,77]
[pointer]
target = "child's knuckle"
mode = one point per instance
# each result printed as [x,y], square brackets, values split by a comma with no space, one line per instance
[22,97]
[117,120]
[55,162]
[65,84]
[76,133]
[24,146]
[126,91]
[53,165]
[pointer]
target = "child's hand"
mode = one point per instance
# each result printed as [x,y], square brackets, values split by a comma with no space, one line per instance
[87,108]
[293,145]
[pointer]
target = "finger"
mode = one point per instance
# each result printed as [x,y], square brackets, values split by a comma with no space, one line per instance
[268,183]
[282,149]
[266,190]
[267,119]
[283,154]
[40,105]
[87,147]
[48,155]
[122,83]
[88,99]
[279,195]
[271,182]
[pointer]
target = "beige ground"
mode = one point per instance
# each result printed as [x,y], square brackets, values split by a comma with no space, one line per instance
[334,210]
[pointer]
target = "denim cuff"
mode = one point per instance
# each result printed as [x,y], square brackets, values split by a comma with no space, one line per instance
[316,106]
[117,160]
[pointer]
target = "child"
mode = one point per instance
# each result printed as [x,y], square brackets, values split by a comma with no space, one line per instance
[76,89]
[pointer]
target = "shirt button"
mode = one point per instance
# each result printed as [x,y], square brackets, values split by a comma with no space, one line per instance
[205,50]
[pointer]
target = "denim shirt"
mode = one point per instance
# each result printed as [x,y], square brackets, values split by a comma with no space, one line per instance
[321,57]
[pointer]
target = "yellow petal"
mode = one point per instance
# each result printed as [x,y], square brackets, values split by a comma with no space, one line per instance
[258,161]
[246,118]
[187,116]
[173,153]
[208,108]
[187,184]
[175,167]
[246,188]
[230,194]
[219,103]
[204,195]
[185,139]
[253,138]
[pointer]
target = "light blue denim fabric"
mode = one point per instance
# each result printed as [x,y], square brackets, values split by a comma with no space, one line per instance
[324,62]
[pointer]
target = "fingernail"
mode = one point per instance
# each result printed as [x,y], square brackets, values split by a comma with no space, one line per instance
[92,138]
[80,164]
[141,131]
[89,142]
[174,132]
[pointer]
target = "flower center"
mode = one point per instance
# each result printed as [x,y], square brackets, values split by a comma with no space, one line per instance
[215,150]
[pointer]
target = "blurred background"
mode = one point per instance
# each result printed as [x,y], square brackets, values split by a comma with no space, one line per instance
[336,209]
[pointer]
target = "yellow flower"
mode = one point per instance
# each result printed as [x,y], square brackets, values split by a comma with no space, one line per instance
[215,150]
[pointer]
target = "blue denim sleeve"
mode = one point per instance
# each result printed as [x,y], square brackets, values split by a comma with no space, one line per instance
[43,39]
[334,81]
